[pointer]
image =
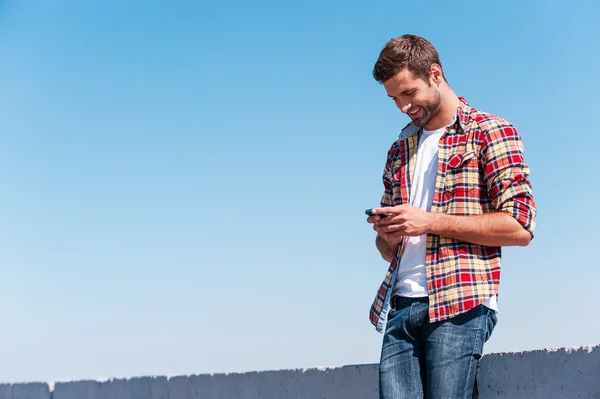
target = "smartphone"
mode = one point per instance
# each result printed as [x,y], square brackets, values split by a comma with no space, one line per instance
[369,213]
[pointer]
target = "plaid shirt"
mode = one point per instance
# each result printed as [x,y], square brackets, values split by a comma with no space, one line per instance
[481,169]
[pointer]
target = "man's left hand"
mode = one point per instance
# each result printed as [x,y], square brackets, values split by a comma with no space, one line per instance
[404,220]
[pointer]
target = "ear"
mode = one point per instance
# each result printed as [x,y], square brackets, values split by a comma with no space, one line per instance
[437,76]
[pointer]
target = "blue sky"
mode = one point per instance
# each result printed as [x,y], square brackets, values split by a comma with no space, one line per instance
[184,184]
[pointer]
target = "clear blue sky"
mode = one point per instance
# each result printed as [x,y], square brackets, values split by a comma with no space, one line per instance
[184,183]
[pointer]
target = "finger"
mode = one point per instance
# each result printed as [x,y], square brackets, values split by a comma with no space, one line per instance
[392,238]
[392,219]
[377,228]
[384,236]
[393,228]
[388,210]
[383,219]
[373,219]
[380,229]
[397,229]
[395,237]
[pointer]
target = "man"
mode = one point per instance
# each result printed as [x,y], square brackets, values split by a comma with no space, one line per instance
[456,191]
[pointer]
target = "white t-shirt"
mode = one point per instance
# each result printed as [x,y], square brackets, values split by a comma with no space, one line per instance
[411,277]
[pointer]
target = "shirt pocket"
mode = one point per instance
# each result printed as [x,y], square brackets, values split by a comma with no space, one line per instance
[458,161]
[463,184]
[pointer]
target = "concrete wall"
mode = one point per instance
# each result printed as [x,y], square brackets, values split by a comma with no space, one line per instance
[25,391]
[560,373]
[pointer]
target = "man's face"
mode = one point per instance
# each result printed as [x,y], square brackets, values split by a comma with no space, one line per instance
[419,99]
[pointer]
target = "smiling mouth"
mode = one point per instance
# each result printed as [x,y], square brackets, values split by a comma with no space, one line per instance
[414,112]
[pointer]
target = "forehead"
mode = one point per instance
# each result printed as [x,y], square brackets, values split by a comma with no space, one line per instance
[402,81]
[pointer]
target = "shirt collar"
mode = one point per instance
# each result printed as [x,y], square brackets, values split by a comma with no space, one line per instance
[463,117]
[464,113]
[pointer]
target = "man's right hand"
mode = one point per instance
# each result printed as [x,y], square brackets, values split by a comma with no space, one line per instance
[380,225]
[388,246]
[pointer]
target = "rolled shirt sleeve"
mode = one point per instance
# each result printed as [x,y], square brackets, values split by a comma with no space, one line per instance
[507,174]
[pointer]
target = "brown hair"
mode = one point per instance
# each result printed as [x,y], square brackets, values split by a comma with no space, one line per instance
[411,51]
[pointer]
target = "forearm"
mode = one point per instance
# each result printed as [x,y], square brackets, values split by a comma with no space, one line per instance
[387,251]
[493,229]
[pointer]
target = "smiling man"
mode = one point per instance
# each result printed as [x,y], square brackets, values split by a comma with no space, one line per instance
[456,190]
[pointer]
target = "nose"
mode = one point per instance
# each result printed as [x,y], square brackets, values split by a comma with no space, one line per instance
[403,107]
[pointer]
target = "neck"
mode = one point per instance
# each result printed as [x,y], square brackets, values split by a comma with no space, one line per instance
[448,105]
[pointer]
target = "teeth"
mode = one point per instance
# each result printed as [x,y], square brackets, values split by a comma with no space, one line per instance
[414,112]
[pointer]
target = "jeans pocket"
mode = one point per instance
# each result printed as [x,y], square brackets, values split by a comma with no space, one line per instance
[492,320]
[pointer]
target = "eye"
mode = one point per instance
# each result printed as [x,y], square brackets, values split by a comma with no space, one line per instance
[410,93]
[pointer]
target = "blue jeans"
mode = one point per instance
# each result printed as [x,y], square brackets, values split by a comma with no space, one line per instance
[432,360]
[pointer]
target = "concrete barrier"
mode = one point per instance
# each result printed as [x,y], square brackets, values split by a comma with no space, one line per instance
[25,391]
[343,382]
[135,388]
[558,373]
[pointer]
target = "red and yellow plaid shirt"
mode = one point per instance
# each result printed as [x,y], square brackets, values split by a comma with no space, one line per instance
[481,169]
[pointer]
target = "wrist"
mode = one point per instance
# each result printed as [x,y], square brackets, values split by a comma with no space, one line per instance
[435,222]
[387,249]
[385,244]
